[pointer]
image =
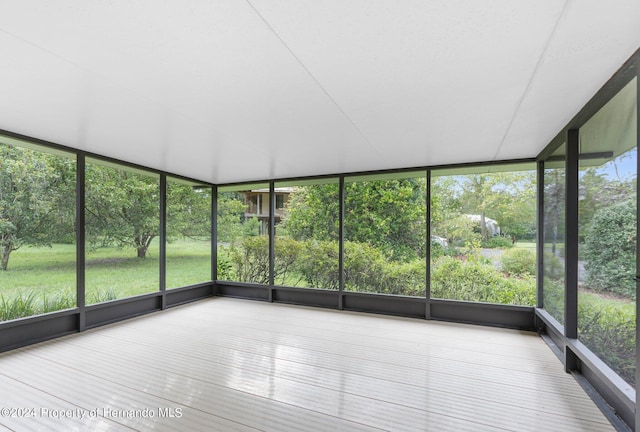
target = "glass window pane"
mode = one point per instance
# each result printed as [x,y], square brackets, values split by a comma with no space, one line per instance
[307,234]
[554,234]
[188,233]
[607,232]
[483,233]
[243,233]
[385,234]
[37,229]
[122,228]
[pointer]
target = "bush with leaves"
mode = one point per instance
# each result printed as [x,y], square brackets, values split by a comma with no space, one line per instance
[610,249]
[408,279]
[474,280]
[459,230]
[287,254]
[553,266]
[363,265]
[250,260]
[368,270]
[519,262]
[28,303]
[224,267]
[608,329]
[497,242]
[554,298]
[318,264]
[438,250]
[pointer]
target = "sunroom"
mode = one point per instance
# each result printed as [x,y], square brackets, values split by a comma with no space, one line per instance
[420,196]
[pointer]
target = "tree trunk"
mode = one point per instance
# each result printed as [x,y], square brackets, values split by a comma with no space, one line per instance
[142,252]
[483,227]
[142,243]
[4,264]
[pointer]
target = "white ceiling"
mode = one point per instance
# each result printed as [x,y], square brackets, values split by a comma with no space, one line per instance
[233,90]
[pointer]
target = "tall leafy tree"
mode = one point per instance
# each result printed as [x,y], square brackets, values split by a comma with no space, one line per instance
[507,197]
[188,211]
[313,212]
[122,208]
[554,203]
[36,200]
[599,190]
[387,214]
[230,208]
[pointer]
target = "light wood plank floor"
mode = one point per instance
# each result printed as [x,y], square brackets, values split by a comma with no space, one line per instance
[234,365]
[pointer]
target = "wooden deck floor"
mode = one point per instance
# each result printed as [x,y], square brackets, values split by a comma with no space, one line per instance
[234,365]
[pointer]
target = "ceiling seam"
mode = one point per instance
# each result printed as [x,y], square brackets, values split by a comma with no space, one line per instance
[84,68]
[308,72]
[532,78]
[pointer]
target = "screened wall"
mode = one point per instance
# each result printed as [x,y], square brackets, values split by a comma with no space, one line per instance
[588,230]
[77,231]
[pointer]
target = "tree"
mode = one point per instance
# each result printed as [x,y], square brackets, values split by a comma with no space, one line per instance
[387,214]
[230,209]
[507,197]
[554,203]
[188,211]
[313,212]
[610,249]
[122,208]
[515,209]
[36,199]
[598,190]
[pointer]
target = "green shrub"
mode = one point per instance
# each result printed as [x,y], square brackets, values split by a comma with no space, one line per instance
[250,260]
[224,267]
[368,270]
[554,298]
[610,249]
[553,285]
[459,230]
[251,227]
[437,250]
[497,242]
[103,295]
[608,329]
[19,306]
[553,266]
[58,301]
[519,262]
[407,279]
[287,253]
[363,267]
[474,280]
[318,264]
[26,304]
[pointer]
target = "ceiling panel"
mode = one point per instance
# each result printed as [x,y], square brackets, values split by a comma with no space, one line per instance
[229,91]
[592,41]
[418,77]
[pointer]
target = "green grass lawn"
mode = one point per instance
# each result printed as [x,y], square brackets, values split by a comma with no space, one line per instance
[46,275]
[526,245]
[188,262]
